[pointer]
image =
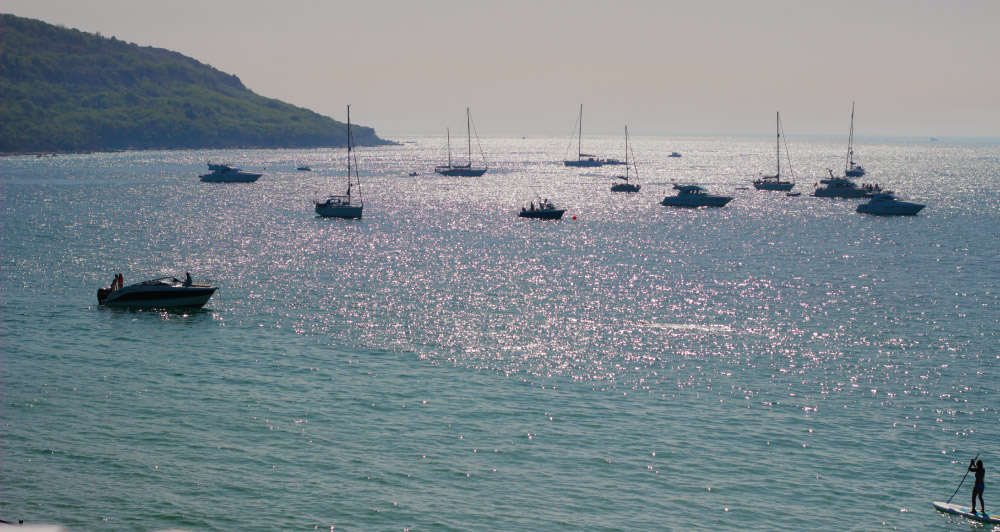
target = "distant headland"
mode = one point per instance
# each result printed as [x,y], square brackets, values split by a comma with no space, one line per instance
[65,90]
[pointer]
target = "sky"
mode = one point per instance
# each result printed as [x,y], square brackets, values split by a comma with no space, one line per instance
[914,67]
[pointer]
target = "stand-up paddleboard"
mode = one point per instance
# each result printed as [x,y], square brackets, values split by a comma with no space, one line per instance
[966,512]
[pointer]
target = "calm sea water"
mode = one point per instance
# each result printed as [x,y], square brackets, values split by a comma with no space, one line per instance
[778,364]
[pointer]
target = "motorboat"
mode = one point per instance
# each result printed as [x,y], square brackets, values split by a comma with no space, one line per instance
[886,204]
[165,292]
[694,196]
[413,174]
[674,154]
[223,173]
[304,168]
[774,182]
[350,204]
[545,210]
[842,187]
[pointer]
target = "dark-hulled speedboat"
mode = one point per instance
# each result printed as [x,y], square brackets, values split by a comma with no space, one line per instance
[165,292]
[545,210]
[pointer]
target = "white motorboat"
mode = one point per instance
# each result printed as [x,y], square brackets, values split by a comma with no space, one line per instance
[841,187]
[886,204]
[165,292]
[545,210]
[774,182]
[349,204]
[694,196]
[223,173]
[463,170]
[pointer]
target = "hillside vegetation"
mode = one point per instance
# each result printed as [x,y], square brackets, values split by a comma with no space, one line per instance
[67,90]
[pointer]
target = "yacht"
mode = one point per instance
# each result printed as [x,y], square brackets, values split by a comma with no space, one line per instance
[350,204]
[545,210]
[585,159]
[840,187]
[774,182]
[223,173]
[625,183]
[694,196]
[304,168]
[886,204]
[165,292]
[851,168]
[463,170]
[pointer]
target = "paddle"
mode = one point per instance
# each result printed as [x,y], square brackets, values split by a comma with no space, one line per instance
[963,481]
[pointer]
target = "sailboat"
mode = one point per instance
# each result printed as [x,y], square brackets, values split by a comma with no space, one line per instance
[624,185]
[774,182]
[852,169]
[463,170]
[585,159]
[348,205]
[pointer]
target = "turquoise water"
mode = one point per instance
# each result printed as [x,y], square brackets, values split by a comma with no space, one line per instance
[778,364]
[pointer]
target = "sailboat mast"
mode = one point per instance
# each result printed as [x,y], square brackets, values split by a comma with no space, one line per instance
[579,138]
[777,129]
[468,132]
[349,141]
[850,143]
[449,146]
[626,154]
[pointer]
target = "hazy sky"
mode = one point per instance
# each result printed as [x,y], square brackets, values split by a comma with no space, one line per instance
[921,68]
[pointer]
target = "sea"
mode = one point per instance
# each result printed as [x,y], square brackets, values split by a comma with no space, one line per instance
[782,363]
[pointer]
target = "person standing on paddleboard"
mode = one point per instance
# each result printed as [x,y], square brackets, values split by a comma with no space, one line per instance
[980,485]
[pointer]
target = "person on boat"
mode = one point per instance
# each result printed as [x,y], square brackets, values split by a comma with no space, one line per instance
[187,279]
[980,485]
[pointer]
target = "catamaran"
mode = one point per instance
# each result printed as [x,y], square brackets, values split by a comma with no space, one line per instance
[463,170]
[350,204]
[852,169]
[624,184]
[774,182]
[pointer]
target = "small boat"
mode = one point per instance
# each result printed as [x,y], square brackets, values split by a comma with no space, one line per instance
[349,204]
[840,187]
[463,170]
[223,173]
[674,154]
[624,184]
[304,168]
[774,182]
[585,159]
[413,174]
[165,292]
[886,204]
[545,210]
[793,194]
[694,196]
[966,512]
[852,169]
